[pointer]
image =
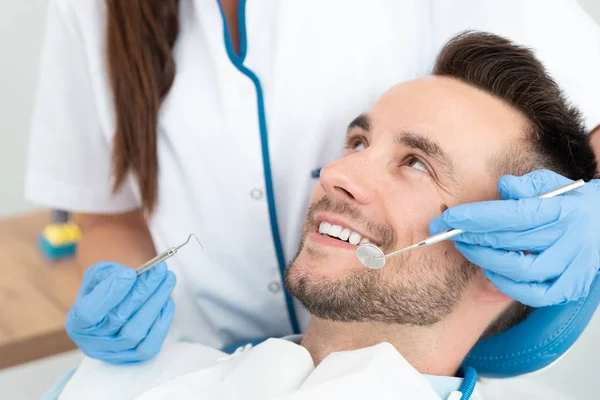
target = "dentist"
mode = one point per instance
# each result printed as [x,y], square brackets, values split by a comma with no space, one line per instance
[158,118]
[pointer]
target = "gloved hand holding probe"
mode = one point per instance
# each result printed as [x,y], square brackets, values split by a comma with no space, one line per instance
[538,251]
[119,317]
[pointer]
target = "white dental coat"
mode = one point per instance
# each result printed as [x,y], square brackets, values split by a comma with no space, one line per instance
[277,369]
[320,63]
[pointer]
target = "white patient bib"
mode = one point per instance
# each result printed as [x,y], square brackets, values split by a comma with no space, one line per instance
[276,369]
[279,369]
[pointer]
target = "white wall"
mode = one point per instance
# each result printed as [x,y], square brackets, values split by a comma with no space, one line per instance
[592,7]
[21,28]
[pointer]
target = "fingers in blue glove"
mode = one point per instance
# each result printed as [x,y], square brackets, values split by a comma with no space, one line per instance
[98,296]
[153,342]
[520,266]
[95,274]
[573,285]
[149,347]
[534,240]
[133,331]
[138,326]
[530,294]
[539,294]
[437,225]
[144,287]
[551,278]
[504,215]
[530,185]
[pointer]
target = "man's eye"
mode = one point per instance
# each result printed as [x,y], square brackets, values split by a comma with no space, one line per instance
[359,146]
[417,164]
[357,143]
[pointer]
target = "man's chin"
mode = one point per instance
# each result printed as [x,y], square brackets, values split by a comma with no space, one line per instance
[329,291]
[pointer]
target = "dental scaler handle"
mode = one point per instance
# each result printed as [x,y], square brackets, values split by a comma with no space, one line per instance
[439,237]
[454,232]
[165,255]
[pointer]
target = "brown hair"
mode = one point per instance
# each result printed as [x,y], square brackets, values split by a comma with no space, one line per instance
[556,138]
[140,39]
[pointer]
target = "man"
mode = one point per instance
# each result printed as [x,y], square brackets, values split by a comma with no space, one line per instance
[488,110]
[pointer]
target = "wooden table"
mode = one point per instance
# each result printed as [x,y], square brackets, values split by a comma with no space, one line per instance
[35,294]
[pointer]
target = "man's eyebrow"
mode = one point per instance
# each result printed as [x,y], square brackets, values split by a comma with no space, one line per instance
[362,121]
[428,146]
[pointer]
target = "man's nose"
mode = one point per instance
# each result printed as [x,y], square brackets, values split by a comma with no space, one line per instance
[347,181]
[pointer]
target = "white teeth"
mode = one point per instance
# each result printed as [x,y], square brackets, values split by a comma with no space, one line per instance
[324,227]
[354,238]
[335,230]
[321,227]
[345,234]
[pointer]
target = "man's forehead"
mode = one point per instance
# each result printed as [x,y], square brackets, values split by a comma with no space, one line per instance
[446,110]
[448,99]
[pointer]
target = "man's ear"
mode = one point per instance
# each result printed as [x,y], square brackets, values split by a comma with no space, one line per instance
[487,292]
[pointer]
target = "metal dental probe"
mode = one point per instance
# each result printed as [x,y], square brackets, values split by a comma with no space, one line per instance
[165,255]
[372,256]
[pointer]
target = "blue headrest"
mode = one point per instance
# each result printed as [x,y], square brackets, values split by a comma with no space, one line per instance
[545,335]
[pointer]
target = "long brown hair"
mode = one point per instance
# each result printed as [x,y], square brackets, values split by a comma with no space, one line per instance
[140,39]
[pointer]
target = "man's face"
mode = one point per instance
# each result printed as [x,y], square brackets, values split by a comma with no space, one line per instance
[425,145]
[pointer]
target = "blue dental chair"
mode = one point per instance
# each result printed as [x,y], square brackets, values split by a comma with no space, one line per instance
[535,343]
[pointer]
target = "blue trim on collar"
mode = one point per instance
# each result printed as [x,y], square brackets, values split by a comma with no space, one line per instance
[237,61]
[56,390]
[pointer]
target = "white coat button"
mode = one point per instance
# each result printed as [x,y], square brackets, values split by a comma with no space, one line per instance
[274,287]
[256,194]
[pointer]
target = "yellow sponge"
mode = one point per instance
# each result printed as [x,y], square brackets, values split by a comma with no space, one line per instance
[62,234]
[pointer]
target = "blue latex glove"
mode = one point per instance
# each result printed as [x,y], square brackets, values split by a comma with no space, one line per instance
[540,252]
[119,317]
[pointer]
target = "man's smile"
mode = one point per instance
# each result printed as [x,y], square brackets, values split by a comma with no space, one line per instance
[332,230]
